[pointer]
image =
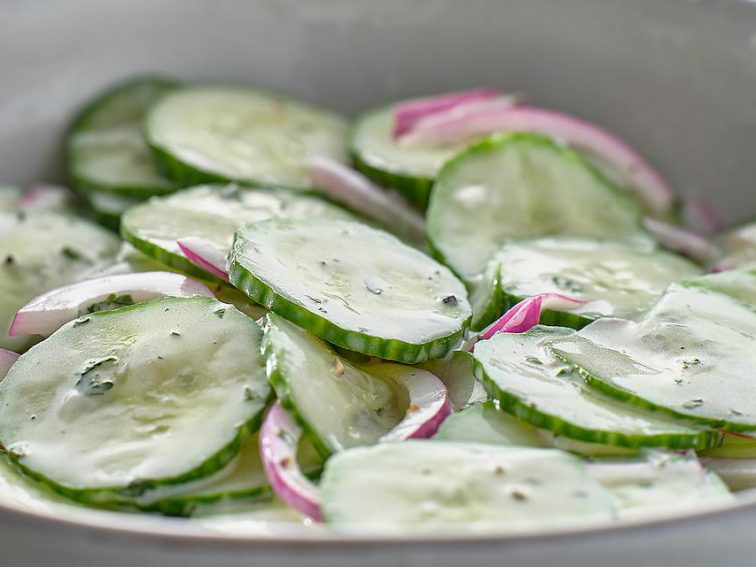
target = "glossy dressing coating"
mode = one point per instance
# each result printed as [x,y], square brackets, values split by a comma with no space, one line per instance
[692,354]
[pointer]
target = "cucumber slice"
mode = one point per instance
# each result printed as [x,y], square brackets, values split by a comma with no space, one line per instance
[109,207]
[132,400]
[241,479]
[357,287]
[42,250]
[432,486]
[409,170]
[690,356]
[739,247]
[213,212]
[733,447]
[210,133]
[20,492]
[618,279]
[519,371]
[106,149]
[485,423]
[456,371]
[338,404]
[487,298]
[521,186]
[662,484]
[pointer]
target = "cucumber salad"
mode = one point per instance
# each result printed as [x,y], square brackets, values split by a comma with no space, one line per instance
[461,313]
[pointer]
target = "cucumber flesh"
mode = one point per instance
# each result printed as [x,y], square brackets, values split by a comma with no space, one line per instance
[211,133]
[132,401]
[690,356]
[487,298]
[617,279]
[528,382]
[215,213]
[738,474]
[486,423]
[456,371]
[521,186]
[106,148]
[357,287]
[438,486]
[662,484]
[42,250]
[338,404]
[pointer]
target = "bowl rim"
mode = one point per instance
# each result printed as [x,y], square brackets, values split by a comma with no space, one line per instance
[153,529]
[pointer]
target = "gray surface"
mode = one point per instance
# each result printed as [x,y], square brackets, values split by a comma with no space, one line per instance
[676,78]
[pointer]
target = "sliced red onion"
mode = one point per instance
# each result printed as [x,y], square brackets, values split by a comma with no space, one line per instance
[407,114]
[46,196]
[357,192]
[650,186]
[205,254]
[429,406]
[7,359]
[525,315]
[702,217]
[46,313]
[279,437]
[682,241]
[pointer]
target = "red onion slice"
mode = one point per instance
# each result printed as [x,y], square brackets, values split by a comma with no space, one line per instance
[525,315]
[49,311]
[650,186]
[407,114]
[205,254]
[429,406]
[702,217]
[7,359]
[357,192]
[682,241]
[46,196]
[279,437]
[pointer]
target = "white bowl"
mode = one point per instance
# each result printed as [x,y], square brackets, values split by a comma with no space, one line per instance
[676,78]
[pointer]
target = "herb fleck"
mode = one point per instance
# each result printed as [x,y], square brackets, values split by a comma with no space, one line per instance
[175,334]
[533,360]
[81,321]
[694,403]
[567,284]
[219,313]
[71,253]
[519,495]
[113,301]
[10,260]
[450,300]
[373,289]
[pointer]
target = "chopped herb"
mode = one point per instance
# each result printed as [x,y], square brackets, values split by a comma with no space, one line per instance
[567,284]
[249,395]
[533,360]
[112,301]
[91,383]
[175,334]
[450,300]
[71,253]
[10,260]
[694,403]
[519,495]
[219,313]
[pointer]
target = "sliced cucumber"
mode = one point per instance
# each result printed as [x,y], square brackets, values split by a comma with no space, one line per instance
[209,133]
[456,371]
[409,170]
[662,484]
[357,287]
[41,250]
[738,284]
[487,298]
[690,356]
[109,207]
[213,212]
[106,148]
[530,383]
[338,404]
[521,186]
[20,492]
[733,447]
[432,486]
[132,400]
[486,423]
[617,279]
[739,247]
